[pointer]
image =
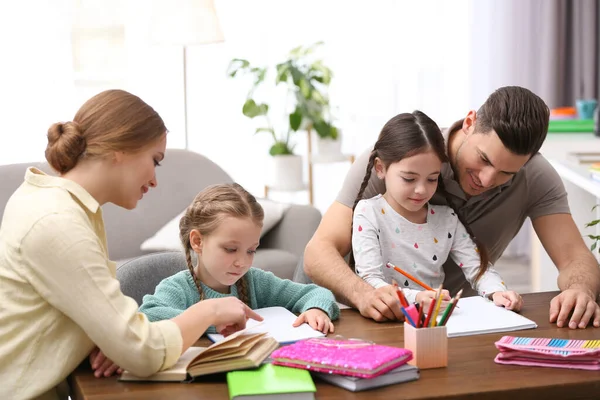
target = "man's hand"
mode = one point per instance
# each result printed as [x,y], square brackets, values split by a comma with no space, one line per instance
[381,304]
[578,301]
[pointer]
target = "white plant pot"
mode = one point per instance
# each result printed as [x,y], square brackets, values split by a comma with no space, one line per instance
[328,150]
[287,173]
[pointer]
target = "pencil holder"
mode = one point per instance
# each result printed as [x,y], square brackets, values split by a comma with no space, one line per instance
[428,345]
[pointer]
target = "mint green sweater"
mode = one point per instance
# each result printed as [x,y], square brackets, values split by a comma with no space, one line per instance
[177,293]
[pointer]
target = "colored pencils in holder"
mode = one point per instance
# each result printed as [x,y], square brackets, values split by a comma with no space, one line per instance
[438,303]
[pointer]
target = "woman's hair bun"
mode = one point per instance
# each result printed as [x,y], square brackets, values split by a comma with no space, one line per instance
[66,144]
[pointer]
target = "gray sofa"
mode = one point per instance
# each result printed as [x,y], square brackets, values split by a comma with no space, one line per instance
[182,175]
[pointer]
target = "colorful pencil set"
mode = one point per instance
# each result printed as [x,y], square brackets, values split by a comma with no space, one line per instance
[415,314]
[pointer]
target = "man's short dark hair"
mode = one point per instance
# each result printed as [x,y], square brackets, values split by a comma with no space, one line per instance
[518,116]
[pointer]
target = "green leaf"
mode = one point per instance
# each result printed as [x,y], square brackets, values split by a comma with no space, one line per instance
[296,119]
[593,237]
[323,128]
[282,72]
[251,109]
[594,222]
[236,65]
[280,148]
[305,89]
[594,246]
[269,130]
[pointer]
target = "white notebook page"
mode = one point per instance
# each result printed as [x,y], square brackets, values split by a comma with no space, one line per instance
[476,315]
[278,324]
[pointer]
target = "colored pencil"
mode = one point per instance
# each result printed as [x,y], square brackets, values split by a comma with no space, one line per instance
[438,304]
[448,312]
[430,311]
[400,295]
[420,319]
[409,276]
[408,318]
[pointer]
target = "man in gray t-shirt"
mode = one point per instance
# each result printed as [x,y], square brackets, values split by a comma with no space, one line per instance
[495,180]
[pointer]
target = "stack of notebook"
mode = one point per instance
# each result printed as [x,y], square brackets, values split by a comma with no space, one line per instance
[352,364]
[547,352]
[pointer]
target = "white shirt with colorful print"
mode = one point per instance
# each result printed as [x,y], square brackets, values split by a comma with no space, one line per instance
[381,235]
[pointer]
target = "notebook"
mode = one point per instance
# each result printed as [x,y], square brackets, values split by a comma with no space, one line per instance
[547,352]
[344,357]
[477,315]
[277,324]
[404,373]
[271,382]
[238,351]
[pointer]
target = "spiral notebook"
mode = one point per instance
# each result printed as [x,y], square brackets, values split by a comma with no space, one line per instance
[478,316]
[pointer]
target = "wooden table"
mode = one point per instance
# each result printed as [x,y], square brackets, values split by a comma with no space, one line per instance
[471,371]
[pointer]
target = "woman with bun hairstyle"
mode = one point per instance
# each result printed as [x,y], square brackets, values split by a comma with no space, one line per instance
[60,299]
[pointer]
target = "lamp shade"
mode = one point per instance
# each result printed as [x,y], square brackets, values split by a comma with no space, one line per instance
[185,22]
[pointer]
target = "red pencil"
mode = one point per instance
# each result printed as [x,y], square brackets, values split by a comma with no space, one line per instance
[420,319]
[401,297]
[431,306]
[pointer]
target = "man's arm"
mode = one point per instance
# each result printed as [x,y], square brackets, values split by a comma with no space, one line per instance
[579,275]
[325,265]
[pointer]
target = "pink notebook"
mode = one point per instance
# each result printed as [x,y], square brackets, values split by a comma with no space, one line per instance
[547,352]
[343,357]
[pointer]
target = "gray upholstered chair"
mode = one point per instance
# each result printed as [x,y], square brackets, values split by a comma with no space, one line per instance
[182,175]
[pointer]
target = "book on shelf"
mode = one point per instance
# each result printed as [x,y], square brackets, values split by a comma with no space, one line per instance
[271,382]
[241,350]
[404,373]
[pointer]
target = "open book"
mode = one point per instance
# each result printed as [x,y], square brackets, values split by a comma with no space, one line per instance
[277,324]
[240,350]
[476,315]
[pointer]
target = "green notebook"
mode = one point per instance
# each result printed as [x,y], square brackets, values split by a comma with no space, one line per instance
[571,126]
[272,382]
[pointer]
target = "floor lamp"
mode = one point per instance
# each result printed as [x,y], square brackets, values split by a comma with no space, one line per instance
[185,23]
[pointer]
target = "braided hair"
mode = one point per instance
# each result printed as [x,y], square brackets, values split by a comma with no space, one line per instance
[403,136]
[205,214]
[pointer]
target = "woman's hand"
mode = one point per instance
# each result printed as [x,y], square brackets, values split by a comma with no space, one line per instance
[102,366]
[509,299]
[230,314]
[317,319]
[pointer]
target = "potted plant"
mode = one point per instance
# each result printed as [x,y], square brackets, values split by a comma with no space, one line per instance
[306,81]
[595,238]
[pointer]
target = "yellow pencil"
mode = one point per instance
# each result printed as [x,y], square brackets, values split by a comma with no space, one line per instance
[438,303]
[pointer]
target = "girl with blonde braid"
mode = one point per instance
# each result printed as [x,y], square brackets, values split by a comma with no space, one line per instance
[222,227]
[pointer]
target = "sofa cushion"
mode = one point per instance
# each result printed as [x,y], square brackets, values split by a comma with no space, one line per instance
[167,237]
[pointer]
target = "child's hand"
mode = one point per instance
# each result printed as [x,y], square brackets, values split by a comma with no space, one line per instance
[101,365]
[317,319]
[510,300]
[427,296]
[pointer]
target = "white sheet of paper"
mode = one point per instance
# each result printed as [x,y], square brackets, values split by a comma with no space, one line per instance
[476,315]
[278,324]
